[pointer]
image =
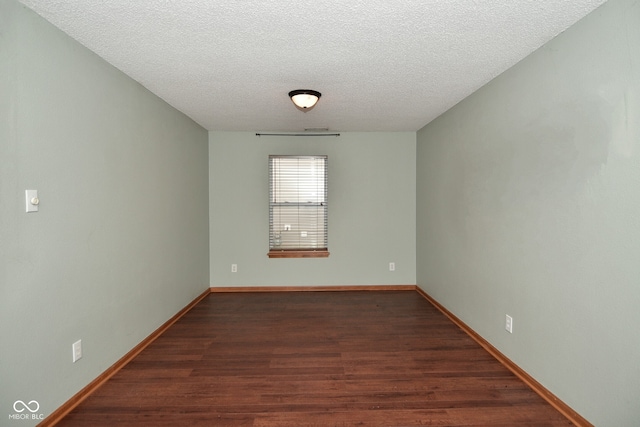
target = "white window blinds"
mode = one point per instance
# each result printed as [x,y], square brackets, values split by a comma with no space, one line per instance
[297,203]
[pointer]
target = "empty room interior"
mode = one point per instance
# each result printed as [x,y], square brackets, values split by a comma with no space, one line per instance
[483,155]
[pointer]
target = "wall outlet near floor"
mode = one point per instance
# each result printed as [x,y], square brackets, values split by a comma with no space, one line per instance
[508,324]
[234,268]
[392,266]
[77,350]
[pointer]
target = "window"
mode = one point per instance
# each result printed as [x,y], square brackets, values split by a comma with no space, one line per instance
[298,206]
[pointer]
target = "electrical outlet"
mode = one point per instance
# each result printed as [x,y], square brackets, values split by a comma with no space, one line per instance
[77,350]
[392,266]
[508,325]
[234,268]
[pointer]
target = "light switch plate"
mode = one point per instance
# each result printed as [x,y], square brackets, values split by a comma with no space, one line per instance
[32,201]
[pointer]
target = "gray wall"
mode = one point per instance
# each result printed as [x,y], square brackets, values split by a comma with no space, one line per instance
[528,204]
[121,240]
[371,210]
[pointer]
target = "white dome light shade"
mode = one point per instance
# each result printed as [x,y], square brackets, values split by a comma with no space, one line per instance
[304,99]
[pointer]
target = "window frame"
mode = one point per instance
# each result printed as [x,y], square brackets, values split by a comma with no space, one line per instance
[321,205]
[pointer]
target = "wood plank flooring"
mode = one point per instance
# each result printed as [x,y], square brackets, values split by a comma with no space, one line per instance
[297,359]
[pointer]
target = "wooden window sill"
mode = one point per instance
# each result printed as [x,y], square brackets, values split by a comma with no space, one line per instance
[319,253]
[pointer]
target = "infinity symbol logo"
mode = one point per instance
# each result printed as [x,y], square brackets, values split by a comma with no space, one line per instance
[26,406]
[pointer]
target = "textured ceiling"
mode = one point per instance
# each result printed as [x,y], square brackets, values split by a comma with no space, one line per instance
[381,65]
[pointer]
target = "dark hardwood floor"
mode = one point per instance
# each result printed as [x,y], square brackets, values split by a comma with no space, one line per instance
[294,359]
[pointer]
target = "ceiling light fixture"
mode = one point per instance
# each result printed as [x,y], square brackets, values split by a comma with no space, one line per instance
[304,99]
